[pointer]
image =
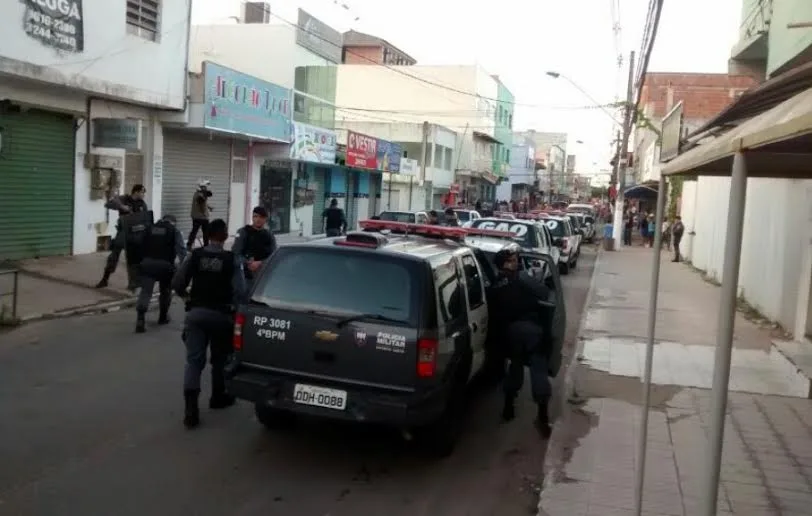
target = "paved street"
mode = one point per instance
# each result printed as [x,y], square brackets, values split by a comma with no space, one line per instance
[91,425]
[767,462]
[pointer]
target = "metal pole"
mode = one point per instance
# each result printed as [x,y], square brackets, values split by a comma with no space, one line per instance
[652,325]
[15,295]
[724,333]
[389,200]
[621,159]
[424,145]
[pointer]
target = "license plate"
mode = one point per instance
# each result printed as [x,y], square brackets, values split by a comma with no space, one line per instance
[320,396]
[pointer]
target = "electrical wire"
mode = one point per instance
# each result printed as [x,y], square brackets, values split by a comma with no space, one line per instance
[646,57]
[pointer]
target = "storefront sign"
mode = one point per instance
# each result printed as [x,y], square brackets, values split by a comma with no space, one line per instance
[362,151]
[318,37]
[408,167]
[389,156]
[313,144]
[241,104]
[58,24]
[116,133]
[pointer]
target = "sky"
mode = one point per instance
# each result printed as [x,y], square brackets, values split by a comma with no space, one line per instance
[520,40]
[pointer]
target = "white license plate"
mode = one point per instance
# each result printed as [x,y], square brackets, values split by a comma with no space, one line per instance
[320,396]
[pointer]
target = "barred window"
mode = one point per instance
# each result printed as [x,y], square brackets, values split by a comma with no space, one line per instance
[143,18]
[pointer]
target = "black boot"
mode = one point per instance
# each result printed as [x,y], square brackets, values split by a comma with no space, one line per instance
[163,317]
[140,322]
[543,420]
[220,399]
[509,409]
[104,281]
[191,415]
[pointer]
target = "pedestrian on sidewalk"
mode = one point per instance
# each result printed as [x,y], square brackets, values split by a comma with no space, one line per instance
[628,227]
[643,223]
[651,230]
[667,234]
[254,244]
[217,288]
[163,244]
[124,205]
[201,211]
[525,324]
[677,230]
[333,220]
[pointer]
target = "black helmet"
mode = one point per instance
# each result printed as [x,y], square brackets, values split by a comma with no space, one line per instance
[504,255]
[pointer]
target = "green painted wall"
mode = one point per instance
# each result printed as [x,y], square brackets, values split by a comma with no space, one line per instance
[503,130]
[784,43]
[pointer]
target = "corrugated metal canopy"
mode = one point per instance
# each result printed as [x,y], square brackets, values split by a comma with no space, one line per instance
[779,140]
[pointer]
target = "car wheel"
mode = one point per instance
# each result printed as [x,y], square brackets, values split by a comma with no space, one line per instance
[564,268]
[574,263]
[272,418]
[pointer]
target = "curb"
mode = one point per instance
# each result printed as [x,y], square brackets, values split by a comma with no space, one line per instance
[103,307]
[553,455]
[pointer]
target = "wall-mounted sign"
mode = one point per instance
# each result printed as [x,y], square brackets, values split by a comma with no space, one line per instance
[116,133]
[408,167]
[319,38]
[671,133]
[313,144]
[389,156]
[241,104]
[57,24]
[362,151]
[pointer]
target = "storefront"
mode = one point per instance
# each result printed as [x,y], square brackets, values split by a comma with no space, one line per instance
[37,162]
[367,158]
[275,188]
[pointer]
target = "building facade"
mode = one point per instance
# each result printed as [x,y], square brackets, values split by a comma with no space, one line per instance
[503,129]
[79,118]
[366,49]
[521,182]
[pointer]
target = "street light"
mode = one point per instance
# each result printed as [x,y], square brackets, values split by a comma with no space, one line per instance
[556,75]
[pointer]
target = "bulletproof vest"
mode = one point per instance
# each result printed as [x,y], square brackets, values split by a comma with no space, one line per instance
[135,205]
[335,217]
[211,271]
[257,243]
[512,301]
[135,226]
[160,242]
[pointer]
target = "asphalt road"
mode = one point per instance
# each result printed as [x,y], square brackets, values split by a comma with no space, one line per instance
[90,424]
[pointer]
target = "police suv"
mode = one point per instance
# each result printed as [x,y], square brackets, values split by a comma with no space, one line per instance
[529,234]
[387,325]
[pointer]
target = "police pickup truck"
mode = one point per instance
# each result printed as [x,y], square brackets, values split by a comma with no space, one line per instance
[387,325]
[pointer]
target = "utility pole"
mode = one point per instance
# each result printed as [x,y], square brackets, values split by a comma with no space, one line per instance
[621,163]
[423,149]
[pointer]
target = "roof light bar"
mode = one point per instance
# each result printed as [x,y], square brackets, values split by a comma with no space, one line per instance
[453,233]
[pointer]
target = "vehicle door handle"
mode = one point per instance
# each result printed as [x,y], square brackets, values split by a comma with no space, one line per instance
[456,334]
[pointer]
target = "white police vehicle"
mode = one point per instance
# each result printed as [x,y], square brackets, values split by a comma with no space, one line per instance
[531,235]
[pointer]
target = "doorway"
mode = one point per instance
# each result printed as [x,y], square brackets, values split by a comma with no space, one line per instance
[808,329]
[275,189]
[236,204]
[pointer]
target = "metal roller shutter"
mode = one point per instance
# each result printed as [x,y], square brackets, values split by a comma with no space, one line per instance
[319,186]
[374,195]
[37,164]
[352,200]
[188,158]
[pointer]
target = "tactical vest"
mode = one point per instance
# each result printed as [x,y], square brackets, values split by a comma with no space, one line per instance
[258,243]
[211,272]
[160,242]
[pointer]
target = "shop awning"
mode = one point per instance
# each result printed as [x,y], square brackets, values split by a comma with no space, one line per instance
[780,139]
[641,191]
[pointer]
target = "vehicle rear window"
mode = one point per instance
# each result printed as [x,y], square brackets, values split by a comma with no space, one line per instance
[464,216]
[395,216]
[354,282]
[556,227]
[525,236]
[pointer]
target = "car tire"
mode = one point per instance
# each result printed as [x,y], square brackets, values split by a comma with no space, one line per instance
[574,263]
[273,418]
[564,268]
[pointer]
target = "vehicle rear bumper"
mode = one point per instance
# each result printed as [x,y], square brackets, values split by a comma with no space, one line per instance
[364,404]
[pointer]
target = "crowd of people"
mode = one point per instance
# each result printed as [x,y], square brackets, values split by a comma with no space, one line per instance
[644,222]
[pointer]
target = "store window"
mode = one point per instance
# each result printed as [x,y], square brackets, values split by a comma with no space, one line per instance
[275,186]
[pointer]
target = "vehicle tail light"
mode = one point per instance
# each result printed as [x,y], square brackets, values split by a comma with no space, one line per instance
[239,321]
[426,357]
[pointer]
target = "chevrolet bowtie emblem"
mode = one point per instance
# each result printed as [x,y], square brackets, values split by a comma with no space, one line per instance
[326,335]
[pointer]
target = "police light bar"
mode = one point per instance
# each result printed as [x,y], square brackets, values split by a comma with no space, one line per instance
[449,232]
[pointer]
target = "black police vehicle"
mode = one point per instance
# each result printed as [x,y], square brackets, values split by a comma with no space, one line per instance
[387,325]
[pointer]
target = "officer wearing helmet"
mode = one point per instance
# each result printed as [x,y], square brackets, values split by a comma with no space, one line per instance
[200,213]
[163,244]
[217,288]
[523,317]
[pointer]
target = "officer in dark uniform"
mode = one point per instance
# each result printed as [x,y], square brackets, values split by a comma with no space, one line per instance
[125,205]
[523,316]
[218,286]
[163,243]
[254,244]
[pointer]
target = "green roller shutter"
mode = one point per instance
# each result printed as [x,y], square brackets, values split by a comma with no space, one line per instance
[37,162]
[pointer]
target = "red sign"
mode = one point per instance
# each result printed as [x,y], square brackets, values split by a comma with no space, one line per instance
[362,151]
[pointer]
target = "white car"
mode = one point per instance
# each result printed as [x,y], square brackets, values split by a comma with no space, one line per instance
[529,234]
[566,239]
[417,217]
[467,215]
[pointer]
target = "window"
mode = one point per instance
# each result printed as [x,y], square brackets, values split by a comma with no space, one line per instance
[473,282]
[143,18]
[510,120]
[449,157]
[507,156]
[450,289]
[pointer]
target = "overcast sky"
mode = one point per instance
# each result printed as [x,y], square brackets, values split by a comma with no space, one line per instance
[522,39]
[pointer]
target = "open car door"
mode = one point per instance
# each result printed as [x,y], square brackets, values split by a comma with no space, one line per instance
[552,280]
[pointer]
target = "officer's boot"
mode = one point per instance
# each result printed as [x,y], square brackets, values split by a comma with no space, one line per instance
[105,279]
[132,277]
[220,399]
[543,420]
[191,415]
[163,315]
[509,409]
[140,322]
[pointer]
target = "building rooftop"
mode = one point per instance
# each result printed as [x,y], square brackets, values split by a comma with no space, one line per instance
[353,38]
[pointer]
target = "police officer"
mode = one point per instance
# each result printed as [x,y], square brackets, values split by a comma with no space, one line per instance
[125,205]
[163,244]
[218,286]
[254,244]
[523,316]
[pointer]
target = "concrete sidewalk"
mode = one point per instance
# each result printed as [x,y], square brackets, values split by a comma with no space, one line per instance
[64,285]
[592,455]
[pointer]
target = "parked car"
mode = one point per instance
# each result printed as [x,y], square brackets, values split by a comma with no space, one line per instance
[587,224]
[578,231]
[375,327]
[466,215]
[529,234]
[409,217]
[565,238]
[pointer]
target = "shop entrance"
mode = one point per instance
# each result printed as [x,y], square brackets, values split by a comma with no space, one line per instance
[275,185]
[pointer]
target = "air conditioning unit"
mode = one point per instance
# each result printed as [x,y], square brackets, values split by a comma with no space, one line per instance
[256,12]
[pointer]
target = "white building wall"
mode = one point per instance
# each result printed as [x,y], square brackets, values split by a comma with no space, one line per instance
[112,62]
[772,250]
